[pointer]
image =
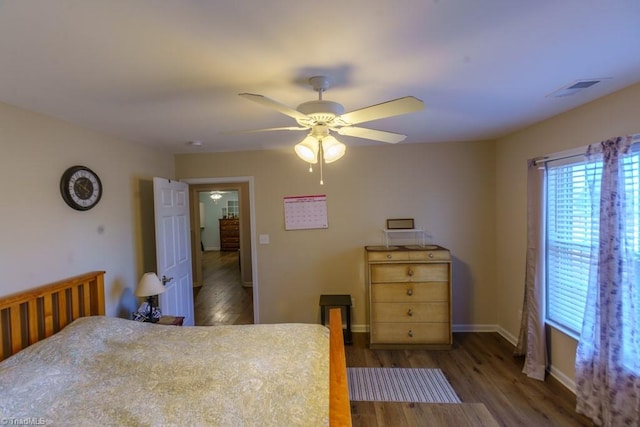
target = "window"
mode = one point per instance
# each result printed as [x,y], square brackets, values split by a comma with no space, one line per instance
[572,233]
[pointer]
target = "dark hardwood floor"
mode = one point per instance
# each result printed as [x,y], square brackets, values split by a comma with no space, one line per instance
[482,370]
[480,367]
[222,300]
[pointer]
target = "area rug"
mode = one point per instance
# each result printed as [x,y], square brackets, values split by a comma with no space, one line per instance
[400,385]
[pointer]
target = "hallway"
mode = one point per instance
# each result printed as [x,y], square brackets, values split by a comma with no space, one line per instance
[222,300]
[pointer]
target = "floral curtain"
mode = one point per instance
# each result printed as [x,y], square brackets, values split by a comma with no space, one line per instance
[608,354]
[532,340]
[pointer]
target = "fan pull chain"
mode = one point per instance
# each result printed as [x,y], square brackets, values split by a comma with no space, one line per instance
[321,160]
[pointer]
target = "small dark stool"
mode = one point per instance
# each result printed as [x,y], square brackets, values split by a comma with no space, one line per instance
[337,301]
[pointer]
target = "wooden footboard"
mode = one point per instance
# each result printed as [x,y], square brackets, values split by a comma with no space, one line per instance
[35,314]
[339,406]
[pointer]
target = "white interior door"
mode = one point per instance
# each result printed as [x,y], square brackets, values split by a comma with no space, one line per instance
[173,248]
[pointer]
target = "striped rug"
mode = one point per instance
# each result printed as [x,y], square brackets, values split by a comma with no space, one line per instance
[400,385]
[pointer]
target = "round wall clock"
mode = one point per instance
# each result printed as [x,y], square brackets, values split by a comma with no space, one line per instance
[81,188]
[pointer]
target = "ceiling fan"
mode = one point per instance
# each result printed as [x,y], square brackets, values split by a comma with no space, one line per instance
[321,117]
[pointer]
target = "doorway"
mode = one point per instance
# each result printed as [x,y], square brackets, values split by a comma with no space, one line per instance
[224,286]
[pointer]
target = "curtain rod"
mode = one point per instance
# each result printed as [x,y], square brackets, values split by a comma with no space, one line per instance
[635,139]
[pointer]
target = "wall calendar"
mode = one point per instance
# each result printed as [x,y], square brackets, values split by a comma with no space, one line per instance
[305,212]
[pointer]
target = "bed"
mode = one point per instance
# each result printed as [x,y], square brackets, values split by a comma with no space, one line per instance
[67,363]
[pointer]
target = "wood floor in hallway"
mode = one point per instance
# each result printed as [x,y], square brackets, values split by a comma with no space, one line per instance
[222,300]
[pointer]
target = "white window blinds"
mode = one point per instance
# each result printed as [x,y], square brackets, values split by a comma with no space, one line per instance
[572,217]
[571,227]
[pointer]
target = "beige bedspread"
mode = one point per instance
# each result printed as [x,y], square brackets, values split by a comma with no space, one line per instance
[109,371]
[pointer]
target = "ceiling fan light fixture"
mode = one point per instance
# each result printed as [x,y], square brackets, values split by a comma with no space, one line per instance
[332,149]
[322,116]
[307,150]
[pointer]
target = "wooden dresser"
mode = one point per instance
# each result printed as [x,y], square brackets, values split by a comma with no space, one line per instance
[409,296]
[229,234]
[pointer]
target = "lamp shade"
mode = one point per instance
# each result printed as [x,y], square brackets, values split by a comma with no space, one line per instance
[149,285]
[307,150]
[332,149]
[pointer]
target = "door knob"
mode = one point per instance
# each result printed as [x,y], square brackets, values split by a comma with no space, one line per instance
[166,279]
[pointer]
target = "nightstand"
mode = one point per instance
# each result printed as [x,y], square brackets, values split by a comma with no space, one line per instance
[170,320]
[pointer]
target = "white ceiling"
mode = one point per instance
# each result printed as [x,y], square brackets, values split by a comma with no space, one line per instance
[165,72]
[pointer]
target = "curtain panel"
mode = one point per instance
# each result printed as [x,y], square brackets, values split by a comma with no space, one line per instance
[532,339]
[608,353]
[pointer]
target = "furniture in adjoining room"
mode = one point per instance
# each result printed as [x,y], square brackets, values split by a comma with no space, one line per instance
[229,234]
[409,296]
[67,363]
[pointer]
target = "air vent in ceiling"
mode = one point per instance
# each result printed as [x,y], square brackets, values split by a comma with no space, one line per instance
[574,87]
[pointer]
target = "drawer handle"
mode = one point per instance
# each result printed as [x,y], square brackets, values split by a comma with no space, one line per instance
[410,273]
[409,292]
[410,333]
[410,313]
[430,254]
[388,256]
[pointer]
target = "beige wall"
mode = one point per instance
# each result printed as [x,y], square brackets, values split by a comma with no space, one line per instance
[448,189]
[41,238]
[614,115]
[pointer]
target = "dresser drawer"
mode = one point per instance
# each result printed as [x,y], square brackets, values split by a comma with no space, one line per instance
[229,227]
[429,255]
[409,272]
[410,292]
[410,312]
[388,256]
[410,333]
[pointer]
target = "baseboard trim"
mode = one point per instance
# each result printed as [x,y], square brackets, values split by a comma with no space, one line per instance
[562,379]
[360,328]
[475,328]
[508,336]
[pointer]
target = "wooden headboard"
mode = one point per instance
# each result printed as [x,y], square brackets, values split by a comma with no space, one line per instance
[30,316]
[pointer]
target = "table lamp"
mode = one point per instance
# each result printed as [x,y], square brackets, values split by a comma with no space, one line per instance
[150,286]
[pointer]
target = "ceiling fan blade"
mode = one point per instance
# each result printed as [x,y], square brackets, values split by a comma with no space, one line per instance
[377,135]
[396,107]
[232,132]
[270,103]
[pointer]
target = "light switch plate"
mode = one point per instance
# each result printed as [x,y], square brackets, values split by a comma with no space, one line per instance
[264,239]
